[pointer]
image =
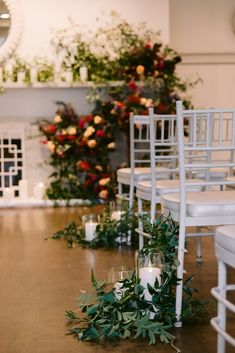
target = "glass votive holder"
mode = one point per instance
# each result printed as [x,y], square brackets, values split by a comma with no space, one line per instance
[115,277]
[89,225]
[149,267]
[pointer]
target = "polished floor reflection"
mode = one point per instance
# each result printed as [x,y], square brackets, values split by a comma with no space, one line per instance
[40,280]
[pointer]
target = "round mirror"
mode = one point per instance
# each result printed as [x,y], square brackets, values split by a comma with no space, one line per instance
[5,22]
[10,27]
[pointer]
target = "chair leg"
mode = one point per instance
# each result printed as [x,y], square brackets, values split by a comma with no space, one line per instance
[180,274]
[140,225]
[119,189]
[153,211]
[131,196]
[199,245]
[222,280]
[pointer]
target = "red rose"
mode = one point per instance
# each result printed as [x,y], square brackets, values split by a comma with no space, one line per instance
[133,98]
[84,165]
[148,46]
[88,118]
[92,177]
[50,129]
[60,138]
[100,133]
[71,137]
[132,85]
[81,123]
[160,64]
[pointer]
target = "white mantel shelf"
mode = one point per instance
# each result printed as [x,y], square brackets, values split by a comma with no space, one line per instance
[54,85]
[32,202]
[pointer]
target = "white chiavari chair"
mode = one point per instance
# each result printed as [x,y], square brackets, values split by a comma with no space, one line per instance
[225,253]
[163,150]
[140,168]
[205,208]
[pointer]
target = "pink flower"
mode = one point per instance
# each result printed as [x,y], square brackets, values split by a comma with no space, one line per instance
[81,123]
[100,133]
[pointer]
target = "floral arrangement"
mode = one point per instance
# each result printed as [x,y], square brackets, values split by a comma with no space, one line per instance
[79,153]
[145,71]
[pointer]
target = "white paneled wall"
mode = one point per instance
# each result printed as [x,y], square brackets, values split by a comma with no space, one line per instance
[42,17]
[202,32]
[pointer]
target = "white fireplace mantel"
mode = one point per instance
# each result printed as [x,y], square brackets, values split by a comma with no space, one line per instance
[39,101]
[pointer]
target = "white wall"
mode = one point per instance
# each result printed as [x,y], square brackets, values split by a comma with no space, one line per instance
[201,30]
[42,17]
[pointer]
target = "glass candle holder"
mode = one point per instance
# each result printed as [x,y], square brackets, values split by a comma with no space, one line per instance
[89,225]
[115,277]
[148,268]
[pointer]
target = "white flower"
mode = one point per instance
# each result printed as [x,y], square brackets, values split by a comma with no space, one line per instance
[99,168]
[149,103]
[72,130]
[142,101]
[103,194]
[57,119]
[91,143]
[104,181]
[111,145]
[98,119]
[89,131]
[51,146]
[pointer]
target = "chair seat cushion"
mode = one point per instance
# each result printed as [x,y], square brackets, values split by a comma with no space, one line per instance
[199,204]
[215,174]
[143,173]
[225,237]
[165,186]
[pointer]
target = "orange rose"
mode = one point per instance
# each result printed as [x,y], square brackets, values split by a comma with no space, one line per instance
[140,69]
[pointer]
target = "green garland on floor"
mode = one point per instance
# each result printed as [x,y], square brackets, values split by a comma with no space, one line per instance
[108,232]
[104,314]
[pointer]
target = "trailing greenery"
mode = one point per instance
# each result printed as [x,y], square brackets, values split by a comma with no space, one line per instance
[105,313]
[108,232]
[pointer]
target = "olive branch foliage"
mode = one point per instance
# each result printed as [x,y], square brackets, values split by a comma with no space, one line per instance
[105,314]
[108,232]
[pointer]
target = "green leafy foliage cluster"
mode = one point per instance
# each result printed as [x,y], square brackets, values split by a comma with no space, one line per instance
[106,313]
[108,233]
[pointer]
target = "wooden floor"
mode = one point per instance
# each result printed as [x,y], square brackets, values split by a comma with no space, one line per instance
[40,280]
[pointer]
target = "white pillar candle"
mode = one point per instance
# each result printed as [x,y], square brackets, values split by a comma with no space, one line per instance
[149,275]
[83,73]
[1,75]
[8,69]
[116,215]
[90,230]
[68,76]
[23,189]
[33,75]
[38,191]
[21,77]
[8,194]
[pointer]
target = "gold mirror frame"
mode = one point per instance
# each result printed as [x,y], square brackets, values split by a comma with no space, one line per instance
[15,32]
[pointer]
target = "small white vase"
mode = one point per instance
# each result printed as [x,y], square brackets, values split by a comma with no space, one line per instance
[21,77]
[83,73]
